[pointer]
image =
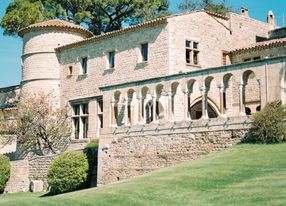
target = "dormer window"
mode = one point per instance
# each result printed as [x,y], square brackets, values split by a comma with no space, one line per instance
[192,52]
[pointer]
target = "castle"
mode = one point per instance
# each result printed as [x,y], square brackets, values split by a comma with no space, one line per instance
[161,92]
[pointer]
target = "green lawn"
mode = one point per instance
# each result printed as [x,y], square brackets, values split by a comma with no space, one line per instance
[243,175]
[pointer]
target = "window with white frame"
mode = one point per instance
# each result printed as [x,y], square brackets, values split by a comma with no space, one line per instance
[192,52]
[80,120]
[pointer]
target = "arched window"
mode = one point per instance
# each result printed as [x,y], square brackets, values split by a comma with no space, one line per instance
[196,111]
[251,92]
[149,112]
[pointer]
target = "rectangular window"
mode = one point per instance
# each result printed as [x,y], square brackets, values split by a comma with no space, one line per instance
[144,52]
[84,121]
[256,58]
[84,108]
[192,52]
[225,58]
[70,70]
[111,59]
[80,120]
[76,109]
[247,60]
[84,65]
[76,127]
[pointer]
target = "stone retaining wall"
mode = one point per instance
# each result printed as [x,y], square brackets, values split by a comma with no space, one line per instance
[38,168]
[125,157]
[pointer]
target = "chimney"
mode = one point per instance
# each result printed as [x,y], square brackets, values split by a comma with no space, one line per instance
[244,11]
[271,18]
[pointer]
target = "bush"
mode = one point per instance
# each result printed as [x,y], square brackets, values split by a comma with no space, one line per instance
[269,125]
[92,145]
[68,172]
[5,168]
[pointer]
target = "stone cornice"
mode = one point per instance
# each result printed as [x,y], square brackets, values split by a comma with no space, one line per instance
[203,72]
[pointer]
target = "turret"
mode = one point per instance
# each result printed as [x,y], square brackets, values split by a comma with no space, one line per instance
[41,68]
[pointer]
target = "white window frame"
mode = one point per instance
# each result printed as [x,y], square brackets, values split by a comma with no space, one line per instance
[80,117]
[192,52]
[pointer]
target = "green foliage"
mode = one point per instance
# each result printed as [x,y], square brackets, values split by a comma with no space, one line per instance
[20,14]
[269,125]
[99,16]
[68,172]
[244,175]
[209,5]
[4,171]
[92,144]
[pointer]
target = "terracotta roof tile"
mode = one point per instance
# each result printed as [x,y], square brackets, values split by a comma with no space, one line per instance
[115,33]
[261,45]
[56,23]
[138,26]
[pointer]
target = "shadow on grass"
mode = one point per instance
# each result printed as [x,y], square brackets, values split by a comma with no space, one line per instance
[48,194]
[250,139]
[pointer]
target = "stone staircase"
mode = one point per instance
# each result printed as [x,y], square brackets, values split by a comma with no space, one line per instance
[19,177]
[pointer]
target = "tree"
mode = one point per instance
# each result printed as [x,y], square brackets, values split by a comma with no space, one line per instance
[209,5]
[97,15]
[41,128]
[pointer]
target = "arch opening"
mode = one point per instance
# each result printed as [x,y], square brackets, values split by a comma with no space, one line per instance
[196,111]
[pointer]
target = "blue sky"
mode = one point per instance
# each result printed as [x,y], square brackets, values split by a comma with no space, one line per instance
[11,48]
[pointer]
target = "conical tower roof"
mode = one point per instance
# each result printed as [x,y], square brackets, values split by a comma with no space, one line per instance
[55,23]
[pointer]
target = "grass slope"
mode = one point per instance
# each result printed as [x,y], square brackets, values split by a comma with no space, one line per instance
[242,175]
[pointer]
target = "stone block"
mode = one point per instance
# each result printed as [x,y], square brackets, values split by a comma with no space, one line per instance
[37,186]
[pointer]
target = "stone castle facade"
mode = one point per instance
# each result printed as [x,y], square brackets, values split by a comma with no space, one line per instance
[160,92]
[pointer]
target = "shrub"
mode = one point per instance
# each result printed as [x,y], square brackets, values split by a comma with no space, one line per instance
[5,168]
[269,125]
[92,145]
[68,172]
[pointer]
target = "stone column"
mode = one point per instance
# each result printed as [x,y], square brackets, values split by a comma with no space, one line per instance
[139,117]
[204,92]
[154,99]
[126,103]
[143,111]
[170,112]
[113,120]
[221,93]
[241,99]
[186,106]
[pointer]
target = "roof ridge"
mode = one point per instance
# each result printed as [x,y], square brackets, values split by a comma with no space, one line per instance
[262,44]
[141,25]
[117,32]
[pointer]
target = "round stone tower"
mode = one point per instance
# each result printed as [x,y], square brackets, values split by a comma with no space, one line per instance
[40,64]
